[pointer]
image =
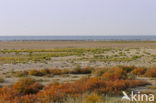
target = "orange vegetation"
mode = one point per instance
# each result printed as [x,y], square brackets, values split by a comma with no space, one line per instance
[112,82]
[151,72]
[138,71]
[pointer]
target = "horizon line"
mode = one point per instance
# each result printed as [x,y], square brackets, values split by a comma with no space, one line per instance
[77,35]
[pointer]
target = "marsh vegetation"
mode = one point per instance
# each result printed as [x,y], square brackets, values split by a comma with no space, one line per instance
[76,75]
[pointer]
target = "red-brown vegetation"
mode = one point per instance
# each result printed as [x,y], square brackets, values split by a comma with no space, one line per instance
[112,82]
[139,71]
[23,88]
[26,86]
[44,72]
[151,72]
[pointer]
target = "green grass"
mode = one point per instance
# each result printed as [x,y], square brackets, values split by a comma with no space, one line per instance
[43,55]
[33,57]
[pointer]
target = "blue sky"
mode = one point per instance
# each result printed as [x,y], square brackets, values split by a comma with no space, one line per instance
[77,17]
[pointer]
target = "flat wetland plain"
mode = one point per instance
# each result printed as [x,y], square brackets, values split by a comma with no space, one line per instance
[52,64]
[74,44]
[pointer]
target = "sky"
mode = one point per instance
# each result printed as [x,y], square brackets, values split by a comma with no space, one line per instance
[77,17]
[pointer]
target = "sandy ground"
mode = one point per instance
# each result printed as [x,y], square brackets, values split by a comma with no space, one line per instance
[146,60]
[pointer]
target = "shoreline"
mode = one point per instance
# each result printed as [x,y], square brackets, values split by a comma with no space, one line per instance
[80,38]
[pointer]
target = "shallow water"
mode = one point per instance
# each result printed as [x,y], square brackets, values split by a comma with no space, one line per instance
[94,38]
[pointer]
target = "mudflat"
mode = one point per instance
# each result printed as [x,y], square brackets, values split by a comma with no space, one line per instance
[74,44]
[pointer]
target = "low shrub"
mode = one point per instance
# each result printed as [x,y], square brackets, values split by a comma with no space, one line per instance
[127,68]
[135,83]
[36,73]
[86,70]
[45,71]
[99,71]
[21,73]
[151,72]
[65,71]
[76,70]
[55,71]
[131,76]
[1,80]
[26,86]
[110,76]
[115,73]
[139,71]
[93,98]
[81,71]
